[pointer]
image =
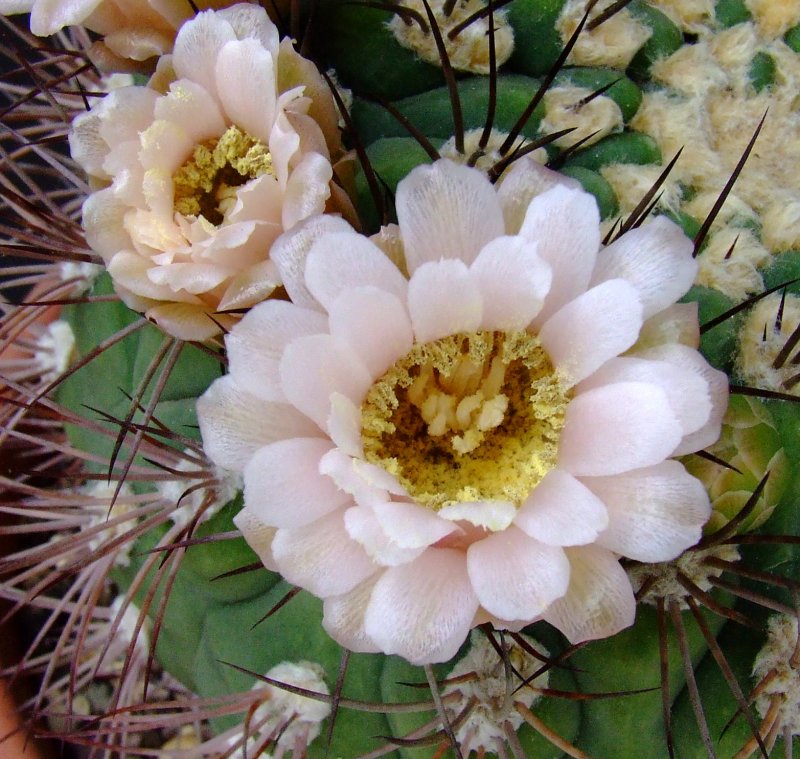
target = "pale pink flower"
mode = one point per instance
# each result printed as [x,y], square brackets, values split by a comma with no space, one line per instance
[197,182]
[481,440]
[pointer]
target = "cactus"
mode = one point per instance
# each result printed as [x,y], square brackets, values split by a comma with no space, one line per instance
[156,629]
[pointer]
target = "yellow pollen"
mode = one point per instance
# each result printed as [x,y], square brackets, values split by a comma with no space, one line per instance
[469,417]
[206,184]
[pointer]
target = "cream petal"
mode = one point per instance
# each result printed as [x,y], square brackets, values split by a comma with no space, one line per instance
[131,271]
[49,17]
[566,225]
[340,468]
[283,485]
[104,223]
[599,601]
[307,190]
[513,282]
[656,259]
[423,610]
[194,278]
[291,249]
[374,324]
[446,211]
[654,513]
[491,515]
[255,345]
[617,428]
[343,261]
[188,104]
[197,46]
[314,367]
[443,299]
[165,145]
[410,525]
[343,618]
[676,324]
[344,425]
[186,321]
[686,390]
[249,287]
[516,576]
[321,557]
[251,22]
[234,424]
[561,511]
[250,102]
[363,527]
[378,477]
[258,535]
[598,325]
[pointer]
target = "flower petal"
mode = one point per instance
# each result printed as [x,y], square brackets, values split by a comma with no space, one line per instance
[196,48]
[513,281]
[283,485]
[258,535]
[410,525]
[616,428]
[307,189]
[423,610]
[343,617]
[443,299]
[446,211]
[654,513]
[561,511]
[235,424]
[491,515]
[516,576]
[364,528]
[599,601]
[321,557]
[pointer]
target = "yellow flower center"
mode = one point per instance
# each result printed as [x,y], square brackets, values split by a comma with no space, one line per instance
[206,184]
[469,417]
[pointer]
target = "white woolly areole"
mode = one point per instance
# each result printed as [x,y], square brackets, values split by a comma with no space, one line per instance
[590,118]
[469,49]
[730,262]
[491,153]
[84,272]
[126,631]
[777,665]
[493,692]
[761,339]
[101,494]
[55,350]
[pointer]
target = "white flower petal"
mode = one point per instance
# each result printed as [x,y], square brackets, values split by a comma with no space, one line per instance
[363,527]
[656,259]
[443,299]
[344,425]
[423,610]
[258,535]
[307,189]
[321,557]
[446,211]
[561,511]
[283,485]
[343,617]
[255,345]
[234,424]
[196,48]
[410,525]
[341,469]
[312,368]
[616,428]
[375,324]
[491,515]
[513,282]
[516,576]
[654,513]
[598,325]
[599,601]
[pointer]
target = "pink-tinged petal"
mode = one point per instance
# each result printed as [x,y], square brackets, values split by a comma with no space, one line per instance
[654,513]
[676,324]
[599,601]
[598,325]
[422,611]
[104,223]
[339,262]
[321,557]
[410,525]
[196,48]
[188,104]
[516,576]
[312,368]
[566,225]
[234,424]
[283,485]
[617,428]
[513,281]
[343,618]
[290,250]
[340,468]
[131,271]
[561,511]
[307,190]
[375,324]
[491,515]
[443,299]
[446,211]
[250,21]
[363,527]
[195,278]
[48,17]
[184,320]
[255,345]
[344,425]
[525,180]
[716,383]
[378,477]
[250,104]
[164,144]
[249,287]
[656,259]
[686,389]
[258,535]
